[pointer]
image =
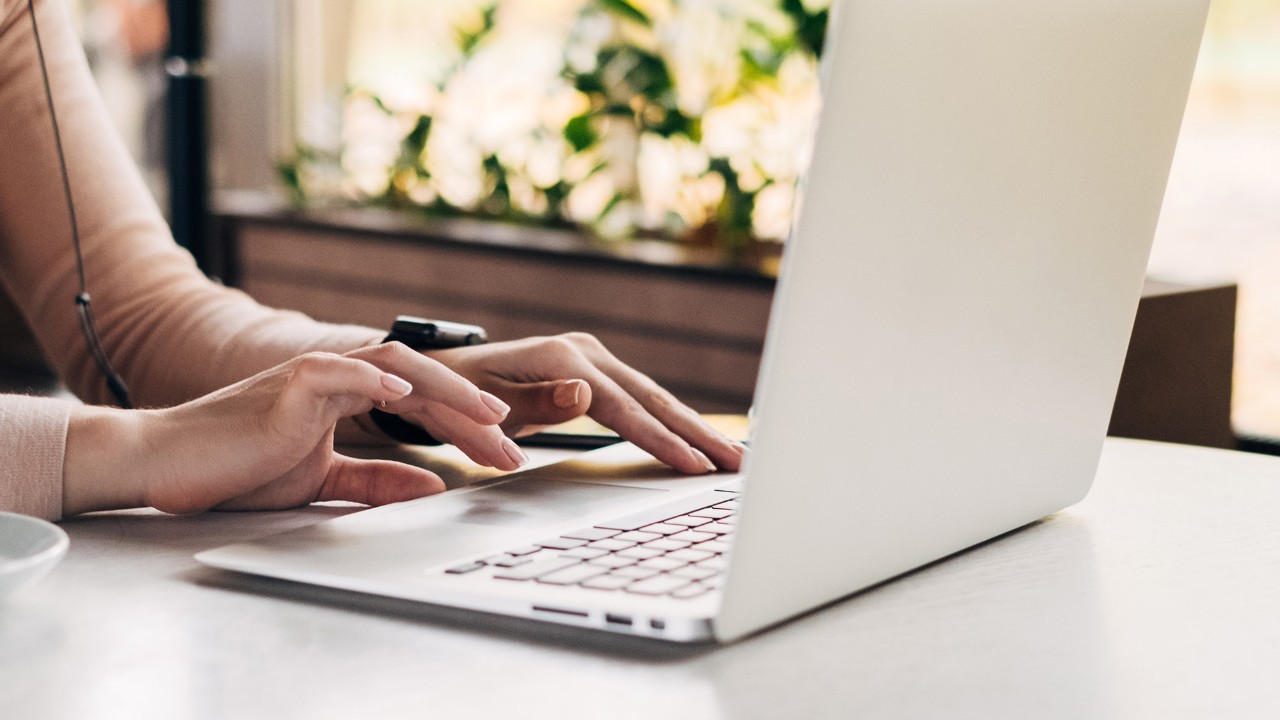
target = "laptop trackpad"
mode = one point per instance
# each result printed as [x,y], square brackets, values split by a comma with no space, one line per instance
[531,502]
[397,542]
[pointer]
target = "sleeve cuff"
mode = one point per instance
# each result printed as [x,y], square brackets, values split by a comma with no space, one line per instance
[33,444]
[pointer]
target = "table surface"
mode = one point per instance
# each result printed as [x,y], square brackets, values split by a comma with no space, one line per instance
[1158,596]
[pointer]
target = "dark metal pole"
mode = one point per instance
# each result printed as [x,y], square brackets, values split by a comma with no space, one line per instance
[186,128]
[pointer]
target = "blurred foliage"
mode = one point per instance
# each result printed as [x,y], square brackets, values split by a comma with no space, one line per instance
[626,72]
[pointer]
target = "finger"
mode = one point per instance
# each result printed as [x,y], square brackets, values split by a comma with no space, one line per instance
[680,418]
[484,444]
[323,387]
[377,482]
[434,382]
[536,405]
[660,404]
[614,408]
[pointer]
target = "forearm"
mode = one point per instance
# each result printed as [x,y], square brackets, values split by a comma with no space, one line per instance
[171,333]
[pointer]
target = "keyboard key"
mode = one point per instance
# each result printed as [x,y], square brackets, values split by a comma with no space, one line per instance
[584,553]
[529,571]
[507,561]
[607,582]
[641,553]
[562,543]
[715,546]
[716,563]
[464,569]
[613,561]
[659,585]
[689,521]
[571,575]
[591,533]
[692,536]
[713,513]
[635,572]
[718,528]
[733,504]
[526,550]
[691,591]
[611,544]
[667,544]
[668,510]
[662,564]
[664,528]
[638,536]
[695,572]
[691,555]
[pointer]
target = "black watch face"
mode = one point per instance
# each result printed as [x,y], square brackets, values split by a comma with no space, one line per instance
[422,334]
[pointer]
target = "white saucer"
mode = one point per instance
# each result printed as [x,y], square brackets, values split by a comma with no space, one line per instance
[29,548]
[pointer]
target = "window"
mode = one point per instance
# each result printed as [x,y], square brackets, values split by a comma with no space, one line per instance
[1221,216]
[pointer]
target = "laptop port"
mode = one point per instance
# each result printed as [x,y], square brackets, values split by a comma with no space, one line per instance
[614,619]
[657,624]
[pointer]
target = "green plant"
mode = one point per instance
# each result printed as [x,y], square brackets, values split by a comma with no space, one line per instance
[647,91]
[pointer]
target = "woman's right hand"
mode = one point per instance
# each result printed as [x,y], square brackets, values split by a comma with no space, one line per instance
[267,442]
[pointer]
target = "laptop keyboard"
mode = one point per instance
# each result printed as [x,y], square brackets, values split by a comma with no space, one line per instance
[676,549]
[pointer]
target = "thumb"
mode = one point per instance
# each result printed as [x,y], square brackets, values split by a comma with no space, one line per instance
[377,482]
[545,403]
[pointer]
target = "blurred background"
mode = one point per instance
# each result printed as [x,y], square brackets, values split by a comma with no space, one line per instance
[631,120]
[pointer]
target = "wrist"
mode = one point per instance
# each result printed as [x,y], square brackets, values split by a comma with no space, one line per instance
[101,468]
[420,334]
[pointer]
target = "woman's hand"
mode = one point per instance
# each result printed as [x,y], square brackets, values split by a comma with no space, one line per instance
[550,380]
[267,442]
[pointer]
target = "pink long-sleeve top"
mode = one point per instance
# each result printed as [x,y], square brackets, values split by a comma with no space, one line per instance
[172,334]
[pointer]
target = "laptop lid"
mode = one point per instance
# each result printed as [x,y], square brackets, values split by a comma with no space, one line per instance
[957,297]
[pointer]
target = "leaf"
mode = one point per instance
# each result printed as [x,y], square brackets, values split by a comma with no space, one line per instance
[469,40]
[587,83]
[291,179]
[811,28]
[378,103]
[579,133]
[613,203]
[674,122]
[624,9]
[416,141]
[643,72]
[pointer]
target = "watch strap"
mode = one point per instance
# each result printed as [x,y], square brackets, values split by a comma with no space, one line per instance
[401,430]
[422,334]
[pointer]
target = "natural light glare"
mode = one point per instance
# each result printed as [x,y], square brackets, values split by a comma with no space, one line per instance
[505,104]
[1221,218]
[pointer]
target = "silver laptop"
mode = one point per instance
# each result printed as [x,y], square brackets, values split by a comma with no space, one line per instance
[945,345]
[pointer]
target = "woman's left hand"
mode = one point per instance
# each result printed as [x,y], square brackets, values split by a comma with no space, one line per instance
[550,380]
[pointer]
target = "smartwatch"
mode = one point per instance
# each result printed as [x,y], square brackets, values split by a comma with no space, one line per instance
[421,334]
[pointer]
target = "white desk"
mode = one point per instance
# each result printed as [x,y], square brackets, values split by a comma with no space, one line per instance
[1158,596]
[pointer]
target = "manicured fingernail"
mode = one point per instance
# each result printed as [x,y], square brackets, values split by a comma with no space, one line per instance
[514,452]
[566,396]
[493,403]
[396,384]
[702,459]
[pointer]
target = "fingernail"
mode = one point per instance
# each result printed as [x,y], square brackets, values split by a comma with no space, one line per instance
[493,403]
[566,396]
[514,452]
[396,384]
[702,459]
